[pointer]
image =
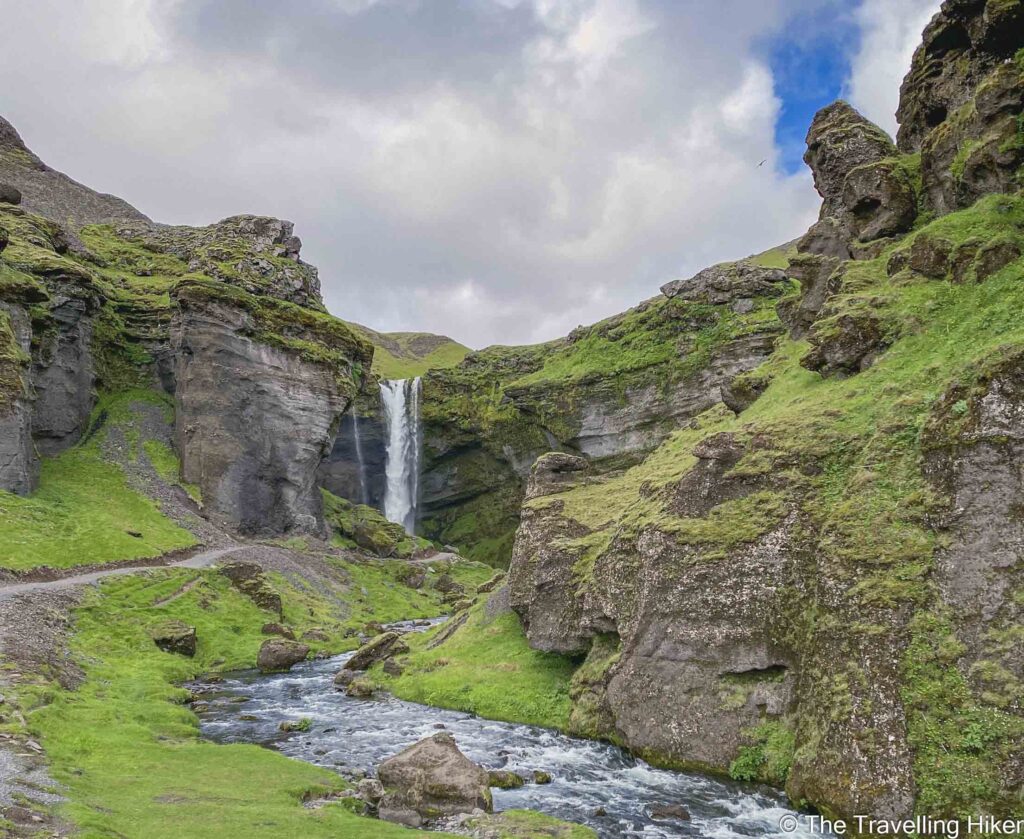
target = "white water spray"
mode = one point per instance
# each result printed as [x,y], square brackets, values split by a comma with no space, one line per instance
[364,496]
[401,401]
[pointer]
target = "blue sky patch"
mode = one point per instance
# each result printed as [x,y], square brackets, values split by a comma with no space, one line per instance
[810,61]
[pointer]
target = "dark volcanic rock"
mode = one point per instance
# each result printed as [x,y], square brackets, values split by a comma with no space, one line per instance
[383,646]
[866,193]
[254,421]
[173,636]
[280,654]
[961,45]
[9,194]
[431,779]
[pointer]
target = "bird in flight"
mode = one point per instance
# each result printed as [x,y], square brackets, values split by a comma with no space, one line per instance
[762,163]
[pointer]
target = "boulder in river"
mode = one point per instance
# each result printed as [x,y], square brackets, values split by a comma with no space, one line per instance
[670,811]
[431,779]
[382,647]
[280,654]
[505,779]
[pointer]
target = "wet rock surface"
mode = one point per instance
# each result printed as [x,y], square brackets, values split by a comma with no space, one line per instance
[429,780]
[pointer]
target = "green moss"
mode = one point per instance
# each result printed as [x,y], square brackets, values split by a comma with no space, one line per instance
[487,668]
[526,824]
[959,743]
[367,528]
[769,758]
[13,361]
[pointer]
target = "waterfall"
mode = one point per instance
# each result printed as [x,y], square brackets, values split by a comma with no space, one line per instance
[401,401]
[364,496]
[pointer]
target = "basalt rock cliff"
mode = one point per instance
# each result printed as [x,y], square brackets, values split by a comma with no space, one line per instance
[814,578]
[228,319]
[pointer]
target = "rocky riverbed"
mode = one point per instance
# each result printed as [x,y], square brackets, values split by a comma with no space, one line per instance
[592,783]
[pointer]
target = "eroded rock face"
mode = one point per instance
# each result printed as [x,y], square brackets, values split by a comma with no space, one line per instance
[431,779]
[866,193]
[975,443]
[253,421]
[63,376]
[961,45]
[690,649]
[19,465]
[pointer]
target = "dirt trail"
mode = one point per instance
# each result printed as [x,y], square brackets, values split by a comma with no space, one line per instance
[199,560]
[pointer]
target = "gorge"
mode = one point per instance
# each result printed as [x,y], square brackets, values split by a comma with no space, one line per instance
[752,547]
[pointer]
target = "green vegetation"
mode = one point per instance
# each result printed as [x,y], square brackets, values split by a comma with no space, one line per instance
[959,741]
[526,824]
[405,355]
[84,511]
[357,525]
[126,747]
[847,453]
[770,757]
[486,668]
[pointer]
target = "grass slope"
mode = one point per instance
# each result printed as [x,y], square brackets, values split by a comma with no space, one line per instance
[405,355]
[84,508]
[128,749]
[487,668]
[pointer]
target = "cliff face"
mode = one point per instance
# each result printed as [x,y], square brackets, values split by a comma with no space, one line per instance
[258,410]
[821,588]
[611,391]
[226,318]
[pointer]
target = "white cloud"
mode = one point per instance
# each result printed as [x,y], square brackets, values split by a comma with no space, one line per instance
[497,170]
[891,30]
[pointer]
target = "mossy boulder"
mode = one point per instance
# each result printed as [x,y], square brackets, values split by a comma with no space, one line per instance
[369,530]
[174,636]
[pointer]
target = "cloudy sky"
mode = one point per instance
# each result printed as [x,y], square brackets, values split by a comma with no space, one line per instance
[496,170]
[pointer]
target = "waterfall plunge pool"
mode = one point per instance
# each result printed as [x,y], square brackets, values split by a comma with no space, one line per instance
[352,736]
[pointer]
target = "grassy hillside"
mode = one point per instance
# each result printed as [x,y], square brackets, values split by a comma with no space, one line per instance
[405,355]
[127,747]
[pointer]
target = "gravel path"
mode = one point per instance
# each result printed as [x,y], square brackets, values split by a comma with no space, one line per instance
[200,560]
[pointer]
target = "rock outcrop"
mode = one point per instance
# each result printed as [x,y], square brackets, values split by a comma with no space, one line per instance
[49,302]
[429,780]
[961,102]
[229,321]
[256,410]
[52,194]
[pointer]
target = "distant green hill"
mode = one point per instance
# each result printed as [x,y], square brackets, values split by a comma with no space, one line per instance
[403,355]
